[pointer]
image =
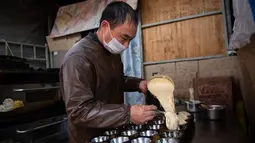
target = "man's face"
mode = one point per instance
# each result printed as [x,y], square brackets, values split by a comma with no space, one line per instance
[124,33]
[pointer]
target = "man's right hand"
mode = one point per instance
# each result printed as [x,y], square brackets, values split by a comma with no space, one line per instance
[140,114]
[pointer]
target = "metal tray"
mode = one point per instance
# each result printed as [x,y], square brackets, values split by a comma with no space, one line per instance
[146,133]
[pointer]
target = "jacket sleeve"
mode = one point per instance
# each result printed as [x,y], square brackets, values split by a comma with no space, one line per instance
[131,84]
[83,109]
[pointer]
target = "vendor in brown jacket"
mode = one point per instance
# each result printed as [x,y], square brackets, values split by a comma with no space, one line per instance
[92,79]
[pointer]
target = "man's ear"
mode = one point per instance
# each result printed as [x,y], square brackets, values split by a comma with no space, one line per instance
[104,23]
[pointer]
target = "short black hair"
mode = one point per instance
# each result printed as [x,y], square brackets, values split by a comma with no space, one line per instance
[117,13]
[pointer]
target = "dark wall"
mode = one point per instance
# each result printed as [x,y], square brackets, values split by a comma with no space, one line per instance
[24,21]
[28,21]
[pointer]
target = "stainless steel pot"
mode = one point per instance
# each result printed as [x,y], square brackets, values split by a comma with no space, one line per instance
[215,112]
[193,105]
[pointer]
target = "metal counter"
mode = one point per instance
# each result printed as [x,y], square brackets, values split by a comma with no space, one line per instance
[225,131]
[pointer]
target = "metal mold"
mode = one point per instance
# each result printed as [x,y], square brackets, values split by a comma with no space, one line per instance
[135,127]
[119,140]
[159,122]
[148,133]
[111,132]
[141,140]
[167,140]
[172,134]
[155,127]
[129,133]
[100,139]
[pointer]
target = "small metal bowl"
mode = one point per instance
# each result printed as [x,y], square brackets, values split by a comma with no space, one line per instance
[119,140]
[172,134]
[129,133]
[155,127]
[111,132]
[141,140]
[167,140]
[135,127]
[215,112]
[100,139]
[159,122]
[148,133]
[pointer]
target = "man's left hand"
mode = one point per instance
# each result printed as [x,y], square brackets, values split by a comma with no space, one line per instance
[143,86]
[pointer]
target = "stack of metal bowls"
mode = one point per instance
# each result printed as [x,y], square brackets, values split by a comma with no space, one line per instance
[154,131]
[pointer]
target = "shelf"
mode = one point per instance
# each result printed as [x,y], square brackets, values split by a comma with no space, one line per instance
[8,78]
[35,89]
[31,113]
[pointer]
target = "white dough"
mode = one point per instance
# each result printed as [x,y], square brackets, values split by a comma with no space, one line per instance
[182,117]
[184,113]
[182,122]
[162,88]
[172,120]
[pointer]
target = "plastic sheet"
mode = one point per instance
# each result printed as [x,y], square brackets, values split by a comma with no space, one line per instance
[131,59]
[244,24]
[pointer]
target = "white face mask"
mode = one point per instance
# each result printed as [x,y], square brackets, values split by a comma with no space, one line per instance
[114,46]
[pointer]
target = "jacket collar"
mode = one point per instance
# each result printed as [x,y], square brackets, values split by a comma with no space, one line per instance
[93,36]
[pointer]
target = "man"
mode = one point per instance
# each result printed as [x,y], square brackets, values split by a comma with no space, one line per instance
[92,80]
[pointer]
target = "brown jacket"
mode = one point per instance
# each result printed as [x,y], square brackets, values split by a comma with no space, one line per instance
[92,83]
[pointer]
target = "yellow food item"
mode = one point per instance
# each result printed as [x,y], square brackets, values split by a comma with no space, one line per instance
[9,105]
[18,104]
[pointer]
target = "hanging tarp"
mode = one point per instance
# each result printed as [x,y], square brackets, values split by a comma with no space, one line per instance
[244,24]
[252,4]
[81,16]
[131,59]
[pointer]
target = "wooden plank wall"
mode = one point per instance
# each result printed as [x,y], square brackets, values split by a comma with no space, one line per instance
[185,39]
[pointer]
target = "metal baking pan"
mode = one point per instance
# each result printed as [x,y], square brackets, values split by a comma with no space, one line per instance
[149,133]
